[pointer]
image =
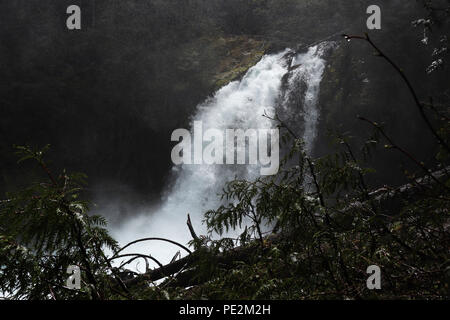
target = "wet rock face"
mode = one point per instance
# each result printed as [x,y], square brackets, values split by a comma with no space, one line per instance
[358,83]
[220,60]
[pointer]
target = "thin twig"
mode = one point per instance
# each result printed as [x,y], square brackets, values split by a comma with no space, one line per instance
[153,239]
[406,153]
[419,105]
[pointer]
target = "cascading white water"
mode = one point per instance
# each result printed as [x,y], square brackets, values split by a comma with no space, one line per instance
[239,105]
[307,71]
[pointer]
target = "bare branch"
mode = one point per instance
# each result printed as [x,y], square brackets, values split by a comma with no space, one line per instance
[152,239]
[419,105]
[191,228]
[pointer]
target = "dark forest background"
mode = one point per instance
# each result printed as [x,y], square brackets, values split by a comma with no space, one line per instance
[107,97]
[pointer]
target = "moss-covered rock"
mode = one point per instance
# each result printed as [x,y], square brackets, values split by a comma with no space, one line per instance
[218,61]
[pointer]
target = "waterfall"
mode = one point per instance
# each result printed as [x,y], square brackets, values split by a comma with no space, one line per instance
[300,98]
[240,105]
